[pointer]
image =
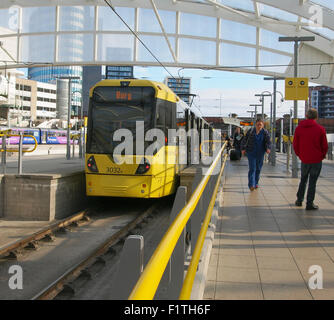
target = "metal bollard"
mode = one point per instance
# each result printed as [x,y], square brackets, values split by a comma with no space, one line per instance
[80,145]
[73,145]
[131,264]
[20,154]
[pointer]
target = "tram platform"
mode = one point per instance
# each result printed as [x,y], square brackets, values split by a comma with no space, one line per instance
[50,187]
[264,246]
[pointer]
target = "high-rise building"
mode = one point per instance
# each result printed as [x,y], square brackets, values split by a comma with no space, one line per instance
[73,18]
[91,75]
[181,87]
[322,99]
[119,72]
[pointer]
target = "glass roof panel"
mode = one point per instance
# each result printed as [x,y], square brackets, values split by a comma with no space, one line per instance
[270,40]
[9,20]
[117,47]
[277,13]
[158,45]
[235,31]
[325,3]
[108,21]
[232,55]
[325,32]
[148,21]
[191,51]
[41,19]
[77,47]
[39,48]
[192,24]
[80,18]
[272,59]
[239,4]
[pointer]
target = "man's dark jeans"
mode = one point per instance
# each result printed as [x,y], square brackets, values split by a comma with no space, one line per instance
[308,171]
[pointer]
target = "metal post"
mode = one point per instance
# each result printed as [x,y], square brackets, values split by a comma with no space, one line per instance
[81,126]
[282,128]
[295,114]
[273,151]
[73,147]
[296,40]
[262,107]
[20,154]
[68,148]
[3,154]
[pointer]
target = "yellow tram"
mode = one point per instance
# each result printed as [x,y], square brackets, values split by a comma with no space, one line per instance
[116,109]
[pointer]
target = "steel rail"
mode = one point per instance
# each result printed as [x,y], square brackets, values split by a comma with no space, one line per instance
[43,232]
[192,269]
[150,278]
[54,288]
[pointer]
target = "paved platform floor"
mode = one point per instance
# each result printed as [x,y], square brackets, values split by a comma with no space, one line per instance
[45,164]
[264,245]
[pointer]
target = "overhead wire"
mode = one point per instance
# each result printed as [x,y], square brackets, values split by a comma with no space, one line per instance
[138,38]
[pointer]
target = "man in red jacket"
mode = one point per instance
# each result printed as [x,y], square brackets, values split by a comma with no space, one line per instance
[310,145]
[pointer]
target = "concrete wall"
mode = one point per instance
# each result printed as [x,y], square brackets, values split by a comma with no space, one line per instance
[43,197]
[186,179]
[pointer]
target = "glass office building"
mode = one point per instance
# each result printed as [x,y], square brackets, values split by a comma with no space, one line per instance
[119,72]
[71,19]
[181,86]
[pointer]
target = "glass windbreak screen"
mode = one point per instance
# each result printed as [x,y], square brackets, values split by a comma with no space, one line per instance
[114,108]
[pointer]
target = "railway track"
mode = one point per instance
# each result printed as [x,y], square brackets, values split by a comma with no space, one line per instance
[72,273]
[13,250]
[71,248]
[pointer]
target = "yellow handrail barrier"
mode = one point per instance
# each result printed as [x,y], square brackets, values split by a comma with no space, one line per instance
[149,280]
[17,135]
[191,273]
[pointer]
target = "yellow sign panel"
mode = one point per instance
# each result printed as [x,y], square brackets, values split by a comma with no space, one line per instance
[296,89]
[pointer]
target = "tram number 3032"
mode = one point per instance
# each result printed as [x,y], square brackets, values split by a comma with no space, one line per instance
[114,170]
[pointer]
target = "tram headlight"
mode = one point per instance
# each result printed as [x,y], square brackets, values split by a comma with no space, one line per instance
[91,164]
[143,167]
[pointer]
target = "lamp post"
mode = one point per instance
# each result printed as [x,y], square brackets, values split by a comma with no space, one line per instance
[68,145]
[262,95]
[273,132]
[296,41]
[255,115]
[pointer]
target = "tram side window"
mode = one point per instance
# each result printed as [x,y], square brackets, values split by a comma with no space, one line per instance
[161,116]
[164,116]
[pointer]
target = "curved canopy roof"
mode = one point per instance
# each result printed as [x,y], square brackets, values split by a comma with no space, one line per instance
[235,35]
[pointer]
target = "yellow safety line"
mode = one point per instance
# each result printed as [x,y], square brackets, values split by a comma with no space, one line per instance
[191,273]
[150,278]
[17,135]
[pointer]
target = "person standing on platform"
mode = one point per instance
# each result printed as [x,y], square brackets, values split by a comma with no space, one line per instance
[310,145]
[256,143]
[237,139]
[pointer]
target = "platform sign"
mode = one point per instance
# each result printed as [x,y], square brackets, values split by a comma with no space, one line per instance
[232,121]
[296,89]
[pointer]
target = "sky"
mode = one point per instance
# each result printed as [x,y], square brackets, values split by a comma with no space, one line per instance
[220,93]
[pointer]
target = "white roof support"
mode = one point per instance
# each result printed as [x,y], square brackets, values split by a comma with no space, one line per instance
[163,30]
[321,50]
[257,10]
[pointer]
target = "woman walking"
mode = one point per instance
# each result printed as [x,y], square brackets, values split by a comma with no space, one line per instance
[255,144]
